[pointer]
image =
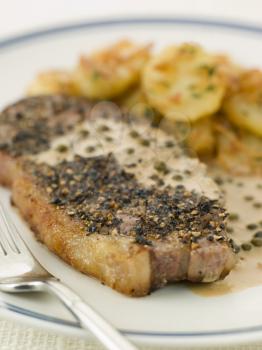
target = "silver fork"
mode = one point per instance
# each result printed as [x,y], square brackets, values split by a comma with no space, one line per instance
[21,272]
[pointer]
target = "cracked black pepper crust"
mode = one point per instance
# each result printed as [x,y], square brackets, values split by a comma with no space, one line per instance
[109,200]
[28,126]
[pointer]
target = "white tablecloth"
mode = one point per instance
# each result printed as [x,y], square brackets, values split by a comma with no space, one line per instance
[14,336]
[17,16]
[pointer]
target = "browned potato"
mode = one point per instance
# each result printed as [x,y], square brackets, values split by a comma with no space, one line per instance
[201,138]
[110,72]
[239,152]
[244,106]
[184,83]
[52,82]
[230,73]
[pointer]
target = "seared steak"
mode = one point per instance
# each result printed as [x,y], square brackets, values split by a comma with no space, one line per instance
[119,200]
[28,126]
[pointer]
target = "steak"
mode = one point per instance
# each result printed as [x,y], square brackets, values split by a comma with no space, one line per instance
[117,198]
[28,126]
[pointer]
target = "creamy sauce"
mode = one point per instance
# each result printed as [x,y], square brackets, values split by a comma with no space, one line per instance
[143,157]
[248,271]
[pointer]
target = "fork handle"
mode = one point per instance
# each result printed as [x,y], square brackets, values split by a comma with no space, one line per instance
[89,318]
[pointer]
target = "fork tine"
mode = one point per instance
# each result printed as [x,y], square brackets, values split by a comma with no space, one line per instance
[9,238]
[12,244]
[3,249]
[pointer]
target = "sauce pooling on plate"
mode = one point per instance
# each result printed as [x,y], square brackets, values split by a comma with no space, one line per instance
[244,202]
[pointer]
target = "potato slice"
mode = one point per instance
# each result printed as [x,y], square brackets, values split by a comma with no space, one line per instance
[230,72]
[52,82]
[184,83]
[201,138]
[132,97]
[110,72]
[244,107]
[238,151]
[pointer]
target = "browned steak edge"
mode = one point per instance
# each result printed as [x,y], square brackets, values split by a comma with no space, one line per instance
[115,261]
[8,169]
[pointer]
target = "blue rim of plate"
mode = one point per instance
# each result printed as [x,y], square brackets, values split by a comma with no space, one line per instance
[87,25]
[9,42]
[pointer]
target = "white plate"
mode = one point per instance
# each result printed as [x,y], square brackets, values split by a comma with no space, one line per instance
[173,315]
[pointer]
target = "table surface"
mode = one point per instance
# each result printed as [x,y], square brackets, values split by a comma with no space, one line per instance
[18,16]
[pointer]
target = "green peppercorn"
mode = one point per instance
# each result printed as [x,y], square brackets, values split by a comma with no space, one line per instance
[103,128]
[233,217]
[161,167]
[145,142]
[130,151]
[251,226]
[169,144]
[257,205]
[246,246]
[257,242]
[219,180]
[62,148]
[90,149]
[248,198]
[83,133]
[230,229]
[177,177]
[134,134]
[258,234]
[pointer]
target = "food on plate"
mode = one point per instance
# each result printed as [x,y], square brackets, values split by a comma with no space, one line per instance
[201,138]
[110,72]
[115,187]
[238,151]
[184,83]
[53,82]
[28,126]
[244,106]
[99,196]
[229,71]
[132,97]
